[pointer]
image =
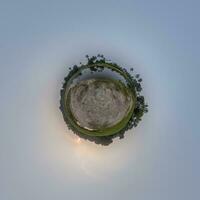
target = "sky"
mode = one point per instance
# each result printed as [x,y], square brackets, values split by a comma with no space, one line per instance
[40,158]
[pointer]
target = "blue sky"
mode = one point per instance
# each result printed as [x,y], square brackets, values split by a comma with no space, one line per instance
[40,158]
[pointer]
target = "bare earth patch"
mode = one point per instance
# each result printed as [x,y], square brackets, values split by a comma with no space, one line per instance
[98,104]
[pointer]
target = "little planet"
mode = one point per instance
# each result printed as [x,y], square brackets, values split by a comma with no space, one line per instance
[101,100]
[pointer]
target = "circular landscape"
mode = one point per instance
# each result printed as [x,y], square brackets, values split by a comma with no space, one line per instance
[101,100]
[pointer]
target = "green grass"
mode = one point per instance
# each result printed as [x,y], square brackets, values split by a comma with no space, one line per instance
[101,132]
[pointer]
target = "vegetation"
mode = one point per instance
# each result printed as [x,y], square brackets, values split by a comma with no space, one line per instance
[97,64]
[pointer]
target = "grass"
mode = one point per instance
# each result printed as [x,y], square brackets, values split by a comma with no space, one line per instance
[107,131]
